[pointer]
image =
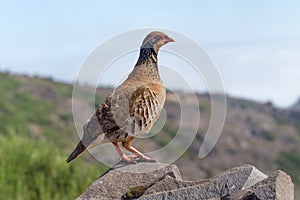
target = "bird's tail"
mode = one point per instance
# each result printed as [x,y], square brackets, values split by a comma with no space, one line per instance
[76,152]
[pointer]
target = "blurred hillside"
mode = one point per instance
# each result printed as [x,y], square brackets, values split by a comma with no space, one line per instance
[296,106]
[37,132]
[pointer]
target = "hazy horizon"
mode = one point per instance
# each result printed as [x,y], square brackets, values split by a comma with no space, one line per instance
[112,86]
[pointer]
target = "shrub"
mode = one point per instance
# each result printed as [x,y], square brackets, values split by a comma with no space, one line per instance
[32,169]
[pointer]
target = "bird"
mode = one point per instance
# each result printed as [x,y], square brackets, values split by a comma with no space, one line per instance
[132,108]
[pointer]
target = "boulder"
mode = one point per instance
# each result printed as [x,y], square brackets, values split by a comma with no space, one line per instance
[153,181]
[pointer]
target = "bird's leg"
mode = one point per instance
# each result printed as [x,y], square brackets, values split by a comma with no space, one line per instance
[139,154]
[127,145]
[123,156]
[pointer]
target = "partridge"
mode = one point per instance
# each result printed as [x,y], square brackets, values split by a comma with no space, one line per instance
[132,108]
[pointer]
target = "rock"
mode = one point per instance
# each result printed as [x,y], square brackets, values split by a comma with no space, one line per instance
[277,186]
[151,181]
[119,179]
[219,186]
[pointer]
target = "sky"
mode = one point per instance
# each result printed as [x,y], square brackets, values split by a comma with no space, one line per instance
[255,45]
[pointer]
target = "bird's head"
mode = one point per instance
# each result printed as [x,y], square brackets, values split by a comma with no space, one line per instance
[156,40]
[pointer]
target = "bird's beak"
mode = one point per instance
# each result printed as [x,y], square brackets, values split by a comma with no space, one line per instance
[170,40]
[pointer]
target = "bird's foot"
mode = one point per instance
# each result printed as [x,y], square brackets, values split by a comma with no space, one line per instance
[129,158]
[146,158]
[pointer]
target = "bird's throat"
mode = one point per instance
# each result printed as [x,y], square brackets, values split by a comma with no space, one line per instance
[147,56]
[146,66]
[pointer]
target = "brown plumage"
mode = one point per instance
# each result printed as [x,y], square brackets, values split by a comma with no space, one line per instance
[132,108]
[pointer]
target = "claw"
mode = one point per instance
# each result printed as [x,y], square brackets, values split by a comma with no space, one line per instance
[148,159]
[129,158]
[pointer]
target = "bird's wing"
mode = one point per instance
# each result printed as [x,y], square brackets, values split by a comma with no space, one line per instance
[92,136]
[99,123]
[91,131]
[145,105]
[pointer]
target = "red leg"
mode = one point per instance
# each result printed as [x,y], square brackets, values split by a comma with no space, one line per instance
[123,156]
[127,145]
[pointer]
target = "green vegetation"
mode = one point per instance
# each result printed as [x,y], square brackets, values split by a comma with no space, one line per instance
[32,169]
[204,107]
[209,172]
[269,135]
[98,100]
[166,135]
[244,104]
[36,131]
[279,121]
[289,161]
